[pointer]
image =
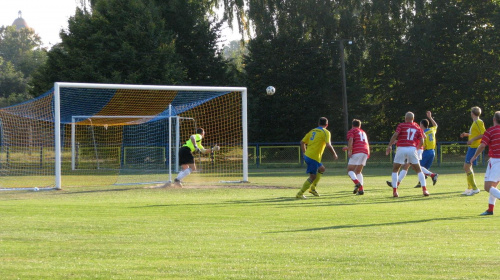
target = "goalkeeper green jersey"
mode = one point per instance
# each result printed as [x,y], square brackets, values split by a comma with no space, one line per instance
[190,145]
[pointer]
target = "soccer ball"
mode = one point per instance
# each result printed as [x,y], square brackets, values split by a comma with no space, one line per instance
[270,90]
[36,189]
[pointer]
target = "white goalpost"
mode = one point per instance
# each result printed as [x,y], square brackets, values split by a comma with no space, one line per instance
[131,131]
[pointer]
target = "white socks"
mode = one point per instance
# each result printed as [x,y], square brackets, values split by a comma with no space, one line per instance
[395,179]
[402,175]
[183,173]
[421,179]
[426,171]
[492,199]
[360,178]
[352,175]
[495,192]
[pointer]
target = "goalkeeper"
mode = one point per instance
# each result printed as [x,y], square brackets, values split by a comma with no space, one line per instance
[186,158]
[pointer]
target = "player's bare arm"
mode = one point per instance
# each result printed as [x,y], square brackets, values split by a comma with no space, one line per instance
[303,147]
[332,150]
[479,150]
[349,147]
[474,139]
[420,143]
[393,140]
[429,116]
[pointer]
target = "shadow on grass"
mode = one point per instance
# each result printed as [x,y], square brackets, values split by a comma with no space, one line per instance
[71,192]
[328,200]
[378,225]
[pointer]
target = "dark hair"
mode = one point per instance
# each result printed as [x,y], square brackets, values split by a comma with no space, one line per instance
[497,116]
[199,130]
[476,111]
[323,121]
[425,123]
[356,123]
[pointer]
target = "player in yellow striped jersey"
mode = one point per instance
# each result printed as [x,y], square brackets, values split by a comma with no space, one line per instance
[475,134]
[313,145]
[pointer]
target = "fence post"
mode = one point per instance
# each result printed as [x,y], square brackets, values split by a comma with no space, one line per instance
[257,155]
[438,154]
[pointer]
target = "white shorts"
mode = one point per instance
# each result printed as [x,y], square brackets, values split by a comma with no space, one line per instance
[419,154]
[493,170]
[358,159]
[409,154]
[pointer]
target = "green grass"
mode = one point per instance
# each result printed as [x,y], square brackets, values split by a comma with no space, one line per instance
[252,233]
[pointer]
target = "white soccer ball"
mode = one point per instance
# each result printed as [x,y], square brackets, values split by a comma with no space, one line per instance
[36,189]
[270,90]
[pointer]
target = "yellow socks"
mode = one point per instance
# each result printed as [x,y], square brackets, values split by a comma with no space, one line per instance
[305,186]
[471,181]
[315,182]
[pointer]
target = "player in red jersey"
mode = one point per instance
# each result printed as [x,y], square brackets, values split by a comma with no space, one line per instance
[409,139]
[491,138]
[358,151]
[424,124]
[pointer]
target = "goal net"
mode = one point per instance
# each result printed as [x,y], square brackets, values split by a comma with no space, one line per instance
[101,134]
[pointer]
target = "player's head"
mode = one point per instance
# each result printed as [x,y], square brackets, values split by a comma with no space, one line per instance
[496,118]
[323,122]
[409,117]
[200,131]
[424,124]
[356,123]
[476,111]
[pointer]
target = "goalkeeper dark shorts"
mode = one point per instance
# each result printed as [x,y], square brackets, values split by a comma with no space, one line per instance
[185,156]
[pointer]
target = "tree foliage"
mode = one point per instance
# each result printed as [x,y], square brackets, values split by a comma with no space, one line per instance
[407,55]
[21,53]
[439,55]
[121,41]
[139,42]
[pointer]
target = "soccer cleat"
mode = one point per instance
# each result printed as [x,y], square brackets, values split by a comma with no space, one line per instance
[435,179]
[473,192]
[361,193]
[418,185]
[314,192]
[356,187]
[177,183]
[486,213]
[300,196]
[467,192]
[389,183]
[426,193]
[395,194]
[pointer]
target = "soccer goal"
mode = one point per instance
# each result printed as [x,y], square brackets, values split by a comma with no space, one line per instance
[100,134]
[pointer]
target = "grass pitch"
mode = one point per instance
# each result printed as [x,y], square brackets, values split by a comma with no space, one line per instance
[258,231]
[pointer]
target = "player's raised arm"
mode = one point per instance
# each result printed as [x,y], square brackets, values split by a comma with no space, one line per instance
[429,116]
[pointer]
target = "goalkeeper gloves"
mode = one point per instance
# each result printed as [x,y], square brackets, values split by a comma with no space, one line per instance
[215,148]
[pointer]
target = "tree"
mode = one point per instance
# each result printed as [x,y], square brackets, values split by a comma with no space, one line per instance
[120,41]
[22,48]
[21,53]
[13,86]
[196,41]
